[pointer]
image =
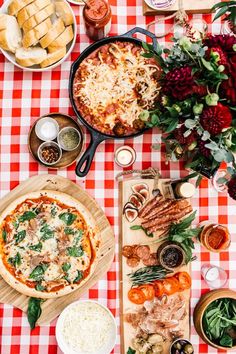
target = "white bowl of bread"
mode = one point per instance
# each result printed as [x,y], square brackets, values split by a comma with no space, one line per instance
[37,35]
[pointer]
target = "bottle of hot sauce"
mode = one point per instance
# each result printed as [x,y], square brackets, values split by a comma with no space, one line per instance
[97,19]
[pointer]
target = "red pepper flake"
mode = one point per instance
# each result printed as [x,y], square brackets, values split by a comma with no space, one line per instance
[50,154]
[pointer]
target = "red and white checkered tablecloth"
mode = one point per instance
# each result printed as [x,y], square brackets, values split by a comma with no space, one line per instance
[24,96]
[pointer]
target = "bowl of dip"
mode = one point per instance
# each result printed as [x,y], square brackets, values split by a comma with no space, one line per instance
[86,327]
[215,237]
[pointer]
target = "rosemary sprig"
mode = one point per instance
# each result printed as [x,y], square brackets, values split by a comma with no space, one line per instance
[148,275]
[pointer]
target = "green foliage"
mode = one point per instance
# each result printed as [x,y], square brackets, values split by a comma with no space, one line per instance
[75,251]
[15,261]
[140,227]
[38,272]
[183,235]
[28,215]
[37,247]
[20,236]
[67,218]
[34,311]
[219,320]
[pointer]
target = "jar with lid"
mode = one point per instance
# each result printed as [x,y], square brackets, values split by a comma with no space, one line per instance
[97,19]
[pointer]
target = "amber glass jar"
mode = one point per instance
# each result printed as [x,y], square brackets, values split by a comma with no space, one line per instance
[215,237]
[97,19]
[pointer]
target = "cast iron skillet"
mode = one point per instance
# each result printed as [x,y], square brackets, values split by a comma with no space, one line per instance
[96,136]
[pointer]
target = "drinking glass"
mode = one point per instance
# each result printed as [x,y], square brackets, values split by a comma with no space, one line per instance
[215,277]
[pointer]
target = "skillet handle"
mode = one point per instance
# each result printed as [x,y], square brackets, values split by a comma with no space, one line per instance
[88,155]
[143,31]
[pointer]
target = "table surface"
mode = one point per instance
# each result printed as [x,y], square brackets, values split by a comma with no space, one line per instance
[24,96]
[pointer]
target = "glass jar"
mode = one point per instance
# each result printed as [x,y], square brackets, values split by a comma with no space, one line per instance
[214,237]
[97,19]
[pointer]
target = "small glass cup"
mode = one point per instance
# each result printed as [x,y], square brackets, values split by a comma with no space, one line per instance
[215,277]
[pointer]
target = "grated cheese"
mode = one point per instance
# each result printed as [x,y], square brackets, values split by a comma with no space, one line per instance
[106,84]
[87,327]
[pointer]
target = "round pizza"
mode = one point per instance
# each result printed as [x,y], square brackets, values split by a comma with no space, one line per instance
[48,244]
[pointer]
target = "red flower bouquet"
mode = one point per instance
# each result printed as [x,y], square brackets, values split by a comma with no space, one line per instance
[196,107]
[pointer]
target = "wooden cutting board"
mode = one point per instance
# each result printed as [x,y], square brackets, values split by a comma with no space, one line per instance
[129,237]
[53,307]
[191,7]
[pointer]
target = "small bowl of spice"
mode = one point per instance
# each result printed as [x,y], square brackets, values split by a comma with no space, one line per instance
[49,153]
[47,129]
[215,237]
[69,138]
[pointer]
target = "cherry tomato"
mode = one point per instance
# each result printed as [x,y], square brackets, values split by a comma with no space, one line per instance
[159,289]
[184,280]
[136,296]
[148,291]
[170,286]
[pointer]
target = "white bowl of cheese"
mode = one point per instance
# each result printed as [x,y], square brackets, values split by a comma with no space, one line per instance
[86,327]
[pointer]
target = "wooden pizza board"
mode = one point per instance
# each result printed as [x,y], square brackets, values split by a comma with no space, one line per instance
[191,7]
[51,308]
[129,237]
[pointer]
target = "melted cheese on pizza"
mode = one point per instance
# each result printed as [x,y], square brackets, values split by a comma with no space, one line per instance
[115,83]
[46,244]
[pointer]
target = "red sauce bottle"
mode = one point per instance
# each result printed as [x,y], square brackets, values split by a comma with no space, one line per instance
[97,19]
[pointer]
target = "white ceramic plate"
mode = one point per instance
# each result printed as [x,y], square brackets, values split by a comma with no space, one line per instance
[11,57]
[79,2]
[106,349]
[150,4]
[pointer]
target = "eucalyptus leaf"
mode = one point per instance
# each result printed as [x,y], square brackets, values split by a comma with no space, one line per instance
[207,64]
[190,123]
[205,136]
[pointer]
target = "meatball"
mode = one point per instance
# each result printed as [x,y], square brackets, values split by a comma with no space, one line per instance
[119,129]
[138,124]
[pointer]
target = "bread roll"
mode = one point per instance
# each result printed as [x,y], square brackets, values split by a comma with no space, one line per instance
[57,28]
[31,10]
[32,37]
[53,57]
[30,56]
[38,18]
[63,10]
[16,5]
[10,35]
[61,41]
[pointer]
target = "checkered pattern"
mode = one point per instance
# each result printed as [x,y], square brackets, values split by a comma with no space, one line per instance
[24,96]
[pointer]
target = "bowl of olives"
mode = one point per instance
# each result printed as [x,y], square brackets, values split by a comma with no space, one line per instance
[181,346]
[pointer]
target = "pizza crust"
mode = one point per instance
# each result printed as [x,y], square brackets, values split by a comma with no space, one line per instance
[94,238]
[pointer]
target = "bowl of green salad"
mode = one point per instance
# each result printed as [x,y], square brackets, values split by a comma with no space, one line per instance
[215,318]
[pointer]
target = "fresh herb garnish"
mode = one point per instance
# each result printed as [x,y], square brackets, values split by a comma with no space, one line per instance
[219,321]
[40,287]
[66,267]
[148,275]
[47,232]
[78,277]
[34,311]
[75,251]
[15,261]
[4,235]
[183,235]
[20,236]
[67,218]
[131,351]
[15,224]
[28,215]
[54,210]
[38,272]
[37,247]
[140,227]
[69,231]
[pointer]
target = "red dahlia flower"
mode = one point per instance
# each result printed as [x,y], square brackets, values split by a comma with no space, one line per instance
[223,59]
[179,83]
[215,118]
[203,149]
[224,41]
[179,135]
